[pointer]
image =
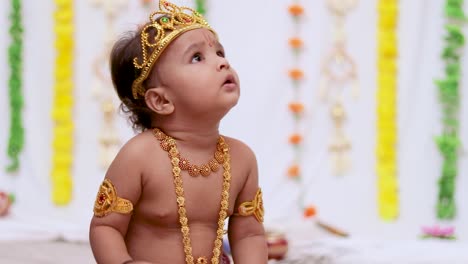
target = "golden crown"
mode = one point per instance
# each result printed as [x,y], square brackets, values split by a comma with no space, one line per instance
[169,22]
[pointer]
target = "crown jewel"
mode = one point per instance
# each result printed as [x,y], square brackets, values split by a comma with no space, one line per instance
[168,23]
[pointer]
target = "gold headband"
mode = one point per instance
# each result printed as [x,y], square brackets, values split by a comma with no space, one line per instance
[169,22]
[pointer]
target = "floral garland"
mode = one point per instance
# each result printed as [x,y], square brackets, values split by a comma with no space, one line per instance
[386,110]
[296,107]
[200,6]
[449,94]
[15,56]
[63,104]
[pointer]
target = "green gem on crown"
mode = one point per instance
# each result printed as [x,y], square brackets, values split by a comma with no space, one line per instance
[165,20]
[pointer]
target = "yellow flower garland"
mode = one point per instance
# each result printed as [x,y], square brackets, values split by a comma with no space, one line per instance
[386,110]
[63,104]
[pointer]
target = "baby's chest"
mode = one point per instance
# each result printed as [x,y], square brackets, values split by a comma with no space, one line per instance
[201,198]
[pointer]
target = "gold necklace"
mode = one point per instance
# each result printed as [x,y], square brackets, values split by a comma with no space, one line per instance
[222,147]
[185,164]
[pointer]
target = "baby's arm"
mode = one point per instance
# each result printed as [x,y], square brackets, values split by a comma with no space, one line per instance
[246,233]
[107,232]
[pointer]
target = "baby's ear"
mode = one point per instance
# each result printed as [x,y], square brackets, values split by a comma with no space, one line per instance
[157,100]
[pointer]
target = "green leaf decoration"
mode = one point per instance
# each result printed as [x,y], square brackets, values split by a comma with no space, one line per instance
[15,54]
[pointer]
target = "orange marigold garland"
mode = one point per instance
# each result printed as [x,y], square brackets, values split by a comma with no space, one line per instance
[296,107]
[296,10]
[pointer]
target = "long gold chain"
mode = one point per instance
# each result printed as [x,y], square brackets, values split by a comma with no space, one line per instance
[179,189]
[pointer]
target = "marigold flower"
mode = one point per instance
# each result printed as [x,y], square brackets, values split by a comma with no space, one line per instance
[295,139]
[296,10]
[296,108]
[296,74]
[293,171]
[310,211]
[296,43]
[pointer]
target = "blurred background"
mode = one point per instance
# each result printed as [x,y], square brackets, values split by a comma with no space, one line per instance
[356,119]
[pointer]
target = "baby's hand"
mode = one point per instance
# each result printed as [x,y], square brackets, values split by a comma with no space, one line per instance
[138,262]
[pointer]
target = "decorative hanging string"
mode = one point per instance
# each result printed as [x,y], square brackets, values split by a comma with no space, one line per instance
[296,106]
[339,71]
[386,167]
[109,140]
[201,6]
[449,94]
[15,57]
[63,104]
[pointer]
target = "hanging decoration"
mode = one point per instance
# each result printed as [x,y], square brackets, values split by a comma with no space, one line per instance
[296,106]
[15,85]
[109,141]
[387,184]
[201,6]
[63,104]
[338,72]
[449,96]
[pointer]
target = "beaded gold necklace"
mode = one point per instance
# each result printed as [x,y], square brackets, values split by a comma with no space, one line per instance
[185,164]
[222,147]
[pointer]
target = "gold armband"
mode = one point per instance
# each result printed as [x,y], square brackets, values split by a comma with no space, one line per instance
[107,201]
[255,207]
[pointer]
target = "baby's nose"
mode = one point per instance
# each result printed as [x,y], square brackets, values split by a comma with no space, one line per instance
[223,64]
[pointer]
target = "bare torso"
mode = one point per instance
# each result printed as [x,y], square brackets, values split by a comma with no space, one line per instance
[154,230]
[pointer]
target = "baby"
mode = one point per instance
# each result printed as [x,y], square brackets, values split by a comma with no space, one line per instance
[167,194]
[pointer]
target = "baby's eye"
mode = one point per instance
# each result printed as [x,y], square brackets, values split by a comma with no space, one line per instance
[197,57]
[220,53]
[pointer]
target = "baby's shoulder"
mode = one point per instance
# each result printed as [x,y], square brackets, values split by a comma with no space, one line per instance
[240,149]
[139,146]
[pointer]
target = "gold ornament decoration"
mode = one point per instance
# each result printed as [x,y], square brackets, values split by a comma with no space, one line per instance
[179,189]
[169,23]
[255,207]
[107,201]
[166,143]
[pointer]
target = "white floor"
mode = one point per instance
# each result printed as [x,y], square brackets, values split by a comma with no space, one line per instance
[20,244]
[45,253]
[348,251]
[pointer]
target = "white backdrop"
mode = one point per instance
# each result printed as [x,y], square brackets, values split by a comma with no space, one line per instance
[255,35]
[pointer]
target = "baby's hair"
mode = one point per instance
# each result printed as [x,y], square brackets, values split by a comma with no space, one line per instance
[123,73]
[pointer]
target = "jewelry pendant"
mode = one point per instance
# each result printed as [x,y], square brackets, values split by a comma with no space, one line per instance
[202,260]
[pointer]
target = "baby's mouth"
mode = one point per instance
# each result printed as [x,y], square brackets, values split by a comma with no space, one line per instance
[229,80]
